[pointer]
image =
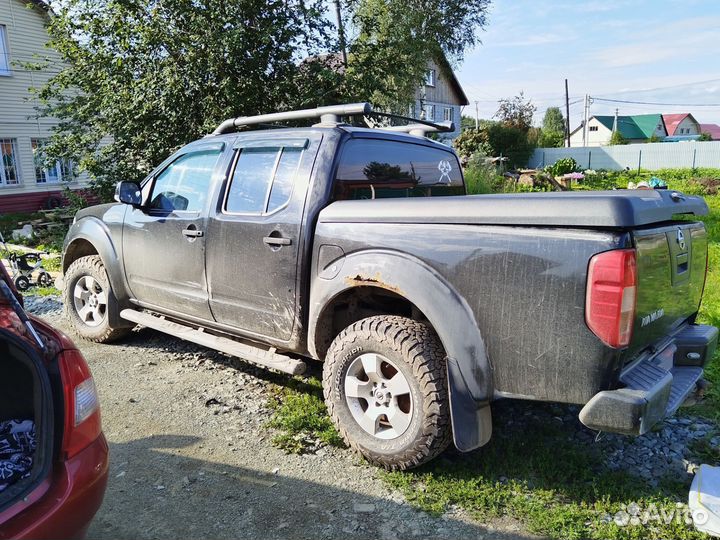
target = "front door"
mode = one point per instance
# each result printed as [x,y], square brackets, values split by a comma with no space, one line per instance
[164,241]
[254,237]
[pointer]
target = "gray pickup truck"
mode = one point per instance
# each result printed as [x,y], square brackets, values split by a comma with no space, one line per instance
[359,247]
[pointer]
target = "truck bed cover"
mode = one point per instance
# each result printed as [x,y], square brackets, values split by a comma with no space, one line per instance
[612,209]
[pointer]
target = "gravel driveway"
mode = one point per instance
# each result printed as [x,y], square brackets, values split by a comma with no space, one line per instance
[190,457]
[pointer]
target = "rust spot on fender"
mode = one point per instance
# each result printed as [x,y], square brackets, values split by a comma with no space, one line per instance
[375,281]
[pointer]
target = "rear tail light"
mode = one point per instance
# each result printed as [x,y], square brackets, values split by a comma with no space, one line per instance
[610,296]
[82,410]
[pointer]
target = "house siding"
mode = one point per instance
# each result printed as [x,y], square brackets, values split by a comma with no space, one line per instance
[594,138]
[692,127]
[26,42]
[441,95]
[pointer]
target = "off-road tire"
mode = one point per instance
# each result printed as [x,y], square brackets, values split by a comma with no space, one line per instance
[415,348]
[103,333]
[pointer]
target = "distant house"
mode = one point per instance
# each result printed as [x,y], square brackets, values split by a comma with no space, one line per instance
[25,184]
[637,128]
[681,125]
[712,129]
[440,97]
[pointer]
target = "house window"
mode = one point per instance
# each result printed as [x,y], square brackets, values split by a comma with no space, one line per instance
[427,112]
[9,170]
[61,170]
[430,77]
[592,128]
[448,114]
[4,52]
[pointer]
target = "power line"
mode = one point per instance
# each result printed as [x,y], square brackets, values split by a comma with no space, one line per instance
[667,87]
[657,103]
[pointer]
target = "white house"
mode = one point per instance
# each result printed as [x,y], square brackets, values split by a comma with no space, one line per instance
[25,184]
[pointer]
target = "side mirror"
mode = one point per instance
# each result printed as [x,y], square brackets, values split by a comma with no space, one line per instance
[128,193]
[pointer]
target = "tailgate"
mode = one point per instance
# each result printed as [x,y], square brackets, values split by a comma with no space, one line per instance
[671,265]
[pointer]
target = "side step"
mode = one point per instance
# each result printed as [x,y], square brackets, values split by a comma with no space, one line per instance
[264,357]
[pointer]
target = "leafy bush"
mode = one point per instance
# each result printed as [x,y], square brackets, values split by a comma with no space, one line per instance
[470,142]
[617,138]
[551,139]
[562,166]
[496,139]
[481,177]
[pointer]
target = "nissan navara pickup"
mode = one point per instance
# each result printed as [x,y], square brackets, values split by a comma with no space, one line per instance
[360,248]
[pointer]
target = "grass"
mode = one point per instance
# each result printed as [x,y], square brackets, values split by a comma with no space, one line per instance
[43,291]
[555,486]
[300,416]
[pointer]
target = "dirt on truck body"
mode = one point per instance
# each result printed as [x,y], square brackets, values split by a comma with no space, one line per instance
[358,247]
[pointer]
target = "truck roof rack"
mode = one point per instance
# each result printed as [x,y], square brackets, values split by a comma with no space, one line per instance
[330,116]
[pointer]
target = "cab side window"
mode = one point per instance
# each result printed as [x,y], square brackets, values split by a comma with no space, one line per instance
[183,185]
[262,180]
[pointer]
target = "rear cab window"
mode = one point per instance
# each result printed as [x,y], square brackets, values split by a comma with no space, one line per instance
[377,168]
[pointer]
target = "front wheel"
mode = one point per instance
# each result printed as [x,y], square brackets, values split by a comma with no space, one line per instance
[89,299]
[385,387]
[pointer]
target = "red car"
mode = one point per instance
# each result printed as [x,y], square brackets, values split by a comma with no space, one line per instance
[53,454]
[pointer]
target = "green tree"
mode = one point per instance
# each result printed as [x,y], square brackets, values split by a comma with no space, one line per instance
[467,122]
[144,77]
[516,112]
[495,139]
[551,139]
[396,38]
[617,138]
[553,121]
[705,136]
[140,77]
[553,129]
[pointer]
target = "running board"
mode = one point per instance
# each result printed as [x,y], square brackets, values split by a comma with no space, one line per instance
[257,355]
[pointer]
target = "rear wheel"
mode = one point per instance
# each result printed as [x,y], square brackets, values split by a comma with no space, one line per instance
[385,387]
[44,279]
[22,283]
[88,300]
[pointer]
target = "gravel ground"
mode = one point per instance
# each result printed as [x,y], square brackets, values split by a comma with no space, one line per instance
[190,457]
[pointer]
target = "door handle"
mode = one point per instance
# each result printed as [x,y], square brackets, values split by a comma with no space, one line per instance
[192,233]
[277,241]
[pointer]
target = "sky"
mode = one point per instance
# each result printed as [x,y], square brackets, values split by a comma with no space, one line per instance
[657,51]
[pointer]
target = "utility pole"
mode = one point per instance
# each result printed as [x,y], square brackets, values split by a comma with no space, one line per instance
[341,32]
[477,116]
[586,119]
[615,121]
[567,115]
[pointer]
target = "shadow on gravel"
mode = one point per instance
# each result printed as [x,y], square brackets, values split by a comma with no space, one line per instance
[155,493]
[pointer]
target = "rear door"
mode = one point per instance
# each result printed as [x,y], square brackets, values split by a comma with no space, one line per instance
[164,241]
[254,236]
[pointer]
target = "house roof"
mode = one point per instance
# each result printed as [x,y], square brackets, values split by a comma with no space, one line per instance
[712,129]
[672,121]
[39,4]
[639,126]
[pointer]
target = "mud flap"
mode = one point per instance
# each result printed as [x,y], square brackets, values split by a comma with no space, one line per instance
[471,420]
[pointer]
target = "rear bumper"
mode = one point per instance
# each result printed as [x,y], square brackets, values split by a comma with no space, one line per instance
[654,386]
[64,504]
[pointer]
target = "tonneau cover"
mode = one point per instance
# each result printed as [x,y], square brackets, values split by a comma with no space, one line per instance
[613,209]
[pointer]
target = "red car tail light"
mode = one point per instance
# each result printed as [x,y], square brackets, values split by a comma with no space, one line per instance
[610,296]
[82,408]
